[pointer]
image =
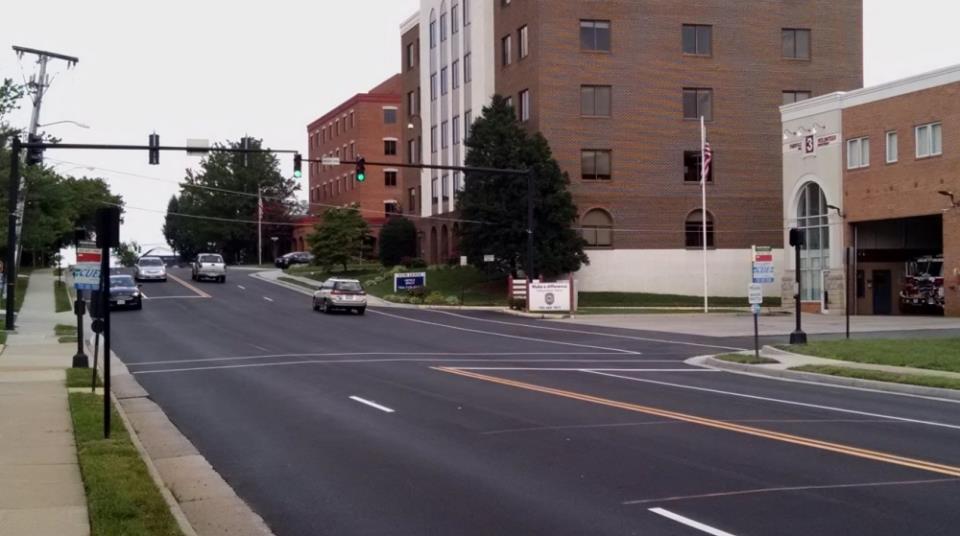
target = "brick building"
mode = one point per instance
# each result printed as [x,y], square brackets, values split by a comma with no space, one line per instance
[617,88]
[368,125]
[874,170]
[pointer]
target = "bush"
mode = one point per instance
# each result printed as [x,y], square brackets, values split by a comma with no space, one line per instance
[393,298]
[453,300]
[414,300]
[414,262]
[519,304]
[435,298]
[398,240]
[453,261]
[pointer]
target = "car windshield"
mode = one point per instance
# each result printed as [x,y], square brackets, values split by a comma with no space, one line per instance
[121,281]
[150,262]
[350,286]
[211,258]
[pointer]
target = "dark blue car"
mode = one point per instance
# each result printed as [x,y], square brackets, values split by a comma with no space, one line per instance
[124,292]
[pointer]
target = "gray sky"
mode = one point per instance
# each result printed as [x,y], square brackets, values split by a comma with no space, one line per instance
[210,69]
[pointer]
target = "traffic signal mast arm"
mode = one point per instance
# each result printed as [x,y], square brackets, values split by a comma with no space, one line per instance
[45,145]
[465,169]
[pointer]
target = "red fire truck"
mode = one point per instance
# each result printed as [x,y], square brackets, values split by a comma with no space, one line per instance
[922,289]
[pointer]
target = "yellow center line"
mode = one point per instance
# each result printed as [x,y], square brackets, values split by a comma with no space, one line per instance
[198,292]
[722,425]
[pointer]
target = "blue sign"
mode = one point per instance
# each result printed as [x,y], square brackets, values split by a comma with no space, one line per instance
[86,276]
[409,280]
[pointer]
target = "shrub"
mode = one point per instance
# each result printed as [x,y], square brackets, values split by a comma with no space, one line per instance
[414,262]
[414,300]
[519,304]
[391,297]
[453,300]
[435,298]
[370,282]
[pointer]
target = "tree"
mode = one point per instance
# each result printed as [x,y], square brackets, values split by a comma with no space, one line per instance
[398,239]
[495,205]
[128,253]
[338,237]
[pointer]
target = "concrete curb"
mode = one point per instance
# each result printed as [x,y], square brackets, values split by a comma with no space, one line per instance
[810,377]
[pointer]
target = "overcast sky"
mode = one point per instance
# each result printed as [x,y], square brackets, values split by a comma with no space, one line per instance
[213,69]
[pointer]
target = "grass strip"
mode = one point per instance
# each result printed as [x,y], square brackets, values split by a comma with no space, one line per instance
[297,282]
[121,497]
[23,281]
[65,329]
[644,299]
[62,303]
[927,353]
[746,359]
[924,380]
[81,377]
[651,311]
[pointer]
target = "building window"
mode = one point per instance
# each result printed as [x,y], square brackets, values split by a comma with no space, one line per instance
[595,165]
[411,56]
[692,167]
[523,41]
[929,140]
[389,116]
[697,103]
[444,131]
[433,86]
[455,73]
[390,207]
[457,184]
[525,105]
[411,199]
[433,34]
[792,96]
[509,102]
[506,54]
[454,19]
[697,39]
[812,220]
[467,68]
[351,119]
[433,139]
[353,151]
[445,186]
[444,81]
[858,153]
[467,122]
[595,35]
[466,12]
[412,103]
[693,229]
[412,151]
[596,227]
[595,101]
[892,149]
[389,178]
[390,147]
[433,190]
[456,130]
[443,27]
[796,43]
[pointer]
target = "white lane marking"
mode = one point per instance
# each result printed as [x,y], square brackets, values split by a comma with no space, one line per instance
[258,347]
[504,335]
[584,332]
[176,297]
[426,354]
[241,287]
[778,400]
[371,403]
[591,369]
[352,361]
[268,299]
[689,522]
[189,286]
[793,488]
[664,421]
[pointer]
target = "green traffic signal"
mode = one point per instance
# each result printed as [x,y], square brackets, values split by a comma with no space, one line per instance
[297,164]
[361,169]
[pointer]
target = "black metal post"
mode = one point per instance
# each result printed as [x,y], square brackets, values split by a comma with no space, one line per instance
[11,268]
[80,359]
[846,278]
[105,311]
[531,264]
[798,336]
[756,334]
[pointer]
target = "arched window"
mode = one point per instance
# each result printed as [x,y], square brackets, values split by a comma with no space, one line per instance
[812,219]
[693,229]
[597,228]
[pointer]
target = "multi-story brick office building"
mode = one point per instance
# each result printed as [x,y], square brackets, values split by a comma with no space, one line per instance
[877,170]
[368,125]
[618,87]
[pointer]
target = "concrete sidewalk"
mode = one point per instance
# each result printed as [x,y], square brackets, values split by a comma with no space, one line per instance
[41,491]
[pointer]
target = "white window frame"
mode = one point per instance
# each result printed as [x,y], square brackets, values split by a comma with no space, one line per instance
[456,130]
[861,148]
[525,105]
[934,143]
[893,149]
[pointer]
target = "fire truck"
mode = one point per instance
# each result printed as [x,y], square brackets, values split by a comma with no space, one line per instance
[922,289]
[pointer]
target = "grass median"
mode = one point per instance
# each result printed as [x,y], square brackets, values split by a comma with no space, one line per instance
[923,380]
[122,499]
[62,303]
[65,333]
[928,353]
[746,359]
[644,299]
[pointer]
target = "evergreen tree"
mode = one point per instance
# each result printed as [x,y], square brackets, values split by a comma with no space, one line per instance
[495,205]
[398,239]
[339,237]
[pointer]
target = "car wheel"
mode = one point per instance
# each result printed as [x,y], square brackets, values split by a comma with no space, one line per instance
[223,279]
[361,310]
[139,305]
[324,306]
[316,307]
[164,280]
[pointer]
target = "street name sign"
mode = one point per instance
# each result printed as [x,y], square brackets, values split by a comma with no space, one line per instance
[409,280]
[763,269]
[330,161]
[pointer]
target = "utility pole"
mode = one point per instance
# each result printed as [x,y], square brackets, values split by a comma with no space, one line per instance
[259,223]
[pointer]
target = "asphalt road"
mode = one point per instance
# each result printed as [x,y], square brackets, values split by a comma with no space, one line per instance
[421,422]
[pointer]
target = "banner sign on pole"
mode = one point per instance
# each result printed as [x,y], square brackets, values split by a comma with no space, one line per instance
[86,276]
[409,280]
[549,297]
[763,270]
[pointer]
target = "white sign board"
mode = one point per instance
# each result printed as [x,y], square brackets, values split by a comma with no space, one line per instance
[549,297]
[755,293]
[197,146]
[330,161]
[409,280]
[463,260]
[763,269]
[489,258]
[86,276]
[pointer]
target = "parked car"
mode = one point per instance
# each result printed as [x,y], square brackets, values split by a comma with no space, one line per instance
[294,257]
[336,293]
[124,292]
[209,266]
[150,269]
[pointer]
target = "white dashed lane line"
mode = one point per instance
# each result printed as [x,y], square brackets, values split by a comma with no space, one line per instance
[371,403]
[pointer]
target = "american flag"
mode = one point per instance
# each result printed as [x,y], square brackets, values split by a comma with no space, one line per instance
[707,157]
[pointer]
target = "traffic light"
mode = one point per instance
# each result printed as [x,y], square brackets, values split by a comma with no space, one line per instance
[34,154]
[297,164]
[361,169]
[154,142]
[796,237]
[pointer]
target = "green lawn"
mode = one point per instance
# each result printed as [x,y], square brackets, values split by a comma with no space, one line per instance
[925,380]
[62,297]
[121,497]
[643,299]
[78,377]
[929,353]
[65,333]
[651,311]
[23,280]
[746,359]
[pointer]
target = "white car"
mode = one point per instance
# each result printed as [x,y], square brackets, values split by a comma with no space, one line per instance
[150,269]
[336,293]
[209,266]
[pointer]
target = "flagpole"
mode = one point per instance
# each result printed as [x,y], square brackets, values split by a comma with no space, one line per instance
[703,209]
[259,226]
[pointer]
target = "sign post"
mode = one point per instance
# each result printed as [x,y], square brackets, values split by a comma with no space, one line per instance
[755,294]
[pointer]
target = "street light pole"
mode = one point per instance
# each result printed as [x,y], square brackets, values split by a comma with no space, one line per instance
[531,264]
